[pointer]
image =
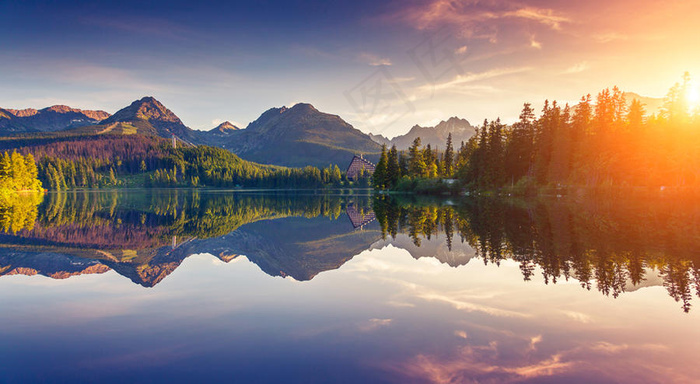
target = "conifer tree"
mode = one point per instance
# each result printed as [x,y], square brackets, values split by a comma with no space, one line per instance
[416,163]
[379,177]
[448,158]
[393,169]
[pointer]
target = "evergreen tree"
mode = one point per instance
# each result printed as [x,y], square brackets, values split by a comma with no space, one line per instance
[403,164]
[392,168]
[416,164]
[448,158]
[379,177]
[519,150]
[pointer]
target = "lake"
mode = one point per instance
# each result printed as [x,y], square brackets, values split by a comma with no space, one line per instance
[254,286]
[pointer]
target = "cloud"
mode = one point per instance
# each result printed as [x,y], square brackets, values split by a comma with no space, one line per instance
[534,43]
[474,18]
[610,36]
[548,367]
[576,68]
[467,306]
[578,316]
[534,341]
[471,365]
[461,50]
[373,60]
[463,80]
[374,324]
[540,15]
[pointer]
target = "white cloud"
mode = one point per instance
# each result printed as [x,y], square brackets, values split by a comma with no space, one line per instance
[462,80]
[576,68]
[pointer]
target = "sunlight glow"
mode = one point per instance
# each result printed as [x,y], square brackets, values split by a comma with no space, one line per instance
[693,95]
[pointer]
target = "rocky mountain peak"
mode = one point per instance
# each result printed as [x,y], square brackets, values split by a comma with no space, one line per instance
[146,108]
[225,128]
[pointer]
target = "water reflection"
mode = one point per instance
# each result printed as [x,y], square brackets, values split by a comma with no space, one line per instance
[146,236]
[614,247]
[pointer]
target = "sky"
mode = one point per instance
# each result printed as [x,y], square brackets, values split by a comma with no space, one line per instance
[383,66]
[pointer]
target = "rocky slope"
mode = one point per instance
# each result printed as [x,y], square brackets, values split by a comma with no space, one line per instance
[297,137]
[148,116]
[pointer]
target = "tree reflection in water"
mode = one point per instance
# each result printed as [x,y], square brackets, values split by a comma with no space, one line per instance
[612,245]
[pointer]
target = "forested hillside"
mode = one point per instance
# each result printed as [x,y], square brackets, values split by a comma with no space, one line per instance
[139,160]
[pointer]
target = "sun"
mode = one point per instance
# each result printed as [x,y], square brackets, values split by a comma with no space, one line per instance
[692,95]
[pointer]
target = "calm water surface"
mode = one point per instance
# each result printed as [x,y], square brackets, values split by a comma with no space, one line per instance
[221,286]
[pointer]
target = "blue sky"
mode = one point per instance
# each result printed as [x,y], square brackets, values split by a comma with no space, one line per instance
[383,66]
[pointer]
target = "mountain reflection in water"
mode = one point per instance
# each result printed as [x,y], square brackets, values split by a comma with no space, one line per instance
[613,247]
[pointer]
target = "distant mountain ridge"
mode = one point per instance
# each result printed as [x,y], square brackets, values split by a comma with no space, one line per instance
[436,136]
[652,105]
[95,115]
[50,119]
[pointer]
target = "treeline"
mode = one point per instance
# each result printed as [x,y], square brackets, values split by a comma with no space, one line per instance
[18,173]
[93,161]
[417,163]
[604,144]
[137,160]
[216,167]
[611,245]
[609,142]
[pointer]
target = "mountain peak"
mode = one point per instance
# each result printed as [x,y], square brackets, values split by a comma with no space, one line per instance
[146,108]
[150,116]
[225,128]
[305,107]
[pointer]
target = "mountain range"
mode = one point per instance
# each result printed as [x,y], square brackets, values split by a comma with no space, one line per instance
[55,118]
[296,136]
[436,136]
